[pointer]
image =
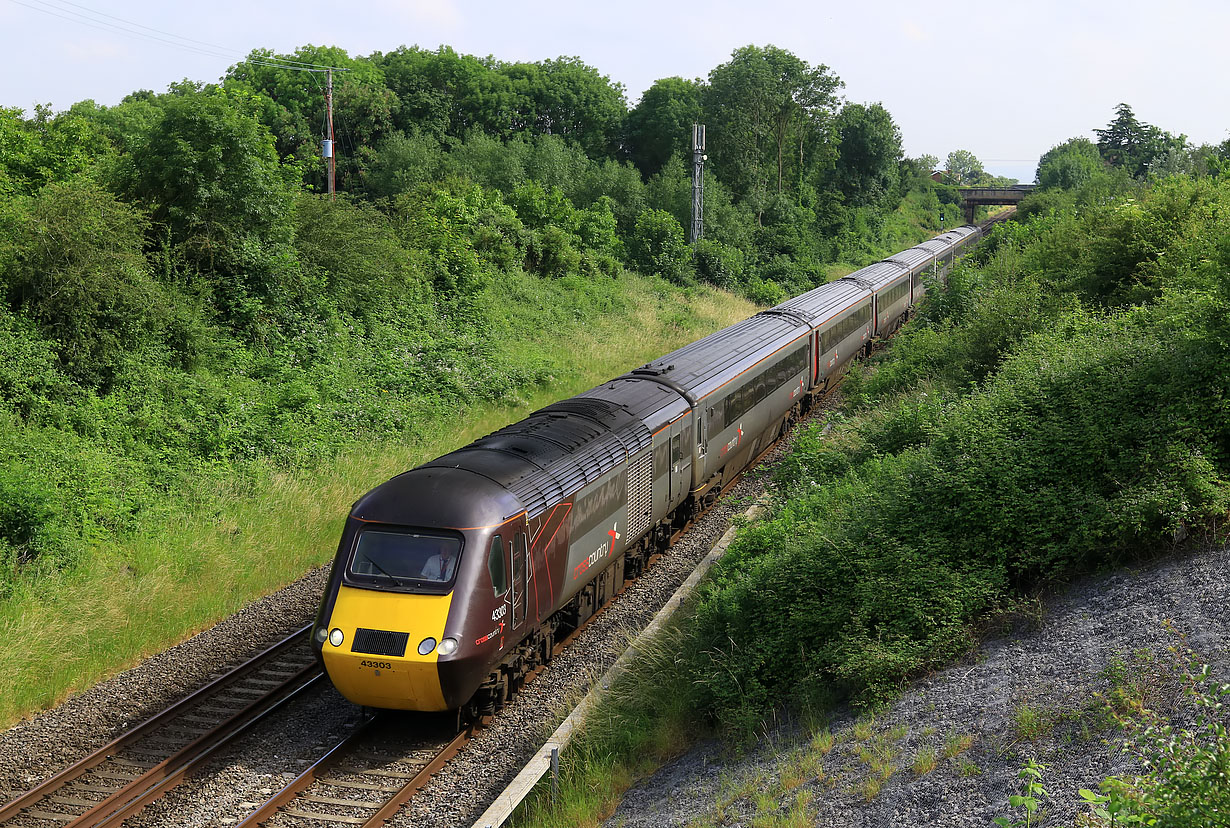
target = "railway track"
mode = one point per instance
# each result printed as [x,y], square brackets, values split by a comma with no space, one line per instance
[368,776]
[124,776]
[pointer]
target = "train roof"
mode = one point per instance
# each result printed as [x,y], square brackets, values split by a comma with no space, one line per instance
[699,369]
[555,451]
[535,462]
[922,254]
[653,404]
[958,233]
[822,303]
[441,496]
[877,276]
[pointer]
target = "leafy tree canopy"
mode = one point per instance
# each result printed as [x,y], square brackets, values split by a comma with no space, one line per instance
[208,170]
[661,124]
[768,113]
[293,99]
[1069,164]
[965,166]
[1132,145]
[868,154]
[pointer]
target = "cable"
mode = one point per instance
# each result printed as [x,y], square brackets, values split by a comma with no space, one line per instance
[182,43]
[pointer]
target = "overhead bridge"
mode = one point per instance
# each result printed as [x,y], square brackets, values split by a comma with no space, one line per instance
[972,197]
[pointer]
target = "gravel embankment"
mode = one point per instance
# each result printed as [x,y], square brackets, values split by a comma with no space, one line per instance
[225,792]
[1030,693]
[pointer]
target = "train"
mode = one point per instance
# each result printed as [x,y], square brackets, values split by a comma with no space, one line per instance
[454,580]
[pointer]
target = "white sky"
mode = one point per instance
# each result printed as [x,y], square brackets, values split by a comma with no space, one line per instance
[1006,81]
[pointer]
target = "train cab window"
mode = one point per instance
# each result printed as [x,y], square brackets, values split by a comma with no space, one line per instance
[405,559]
[497,566]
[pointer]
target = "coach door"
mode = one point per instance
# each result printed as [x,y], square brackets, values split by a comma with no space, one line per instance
[681,461]
[520,573]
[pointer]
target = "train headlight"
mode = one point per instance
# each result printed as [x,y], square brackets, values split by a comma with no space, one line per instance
[426,646]
[322,635]
[336,637]
[448,646]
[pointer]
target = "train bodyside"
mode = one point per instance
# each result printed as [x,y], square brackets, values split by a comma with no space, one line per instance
[742,382]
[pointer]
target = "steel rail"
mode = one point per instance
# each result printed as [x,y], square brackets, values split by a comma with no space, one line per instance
[115,818]
[309,775]
[420,779]
[130,738]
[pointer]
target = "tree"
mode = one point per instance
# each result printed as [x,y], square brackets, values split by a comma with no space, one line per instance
[661,124]
[868,155]
[1069,165]
[445,94]
[74,265]
[209,176]
[46,148]
[292,102]
[208,170]
[965,166]
[1132,145]
[657,247]
[569,98]
[765,110]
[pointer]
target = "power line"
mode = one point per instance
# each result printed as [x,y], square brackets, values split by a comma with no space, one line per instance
[90,17]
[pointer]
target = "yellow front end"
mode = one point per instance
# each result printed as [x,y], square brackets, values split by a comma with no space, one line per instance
[409,682]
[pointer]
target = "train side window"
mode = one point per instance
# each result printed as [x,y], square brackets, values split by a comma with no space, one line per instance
[498,567]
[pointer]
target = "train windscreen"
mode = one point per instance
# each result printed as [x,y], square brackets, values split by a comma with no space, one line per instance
[412,560]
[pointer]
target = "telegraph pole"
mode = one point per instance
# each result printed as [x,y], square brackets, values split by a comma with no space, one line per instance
[698,182]
[328,143]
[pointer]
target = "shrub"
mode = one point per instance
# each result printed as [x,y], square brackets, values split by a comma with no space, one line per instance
[657,247]
[1020,438]
[76,267]
[718,264]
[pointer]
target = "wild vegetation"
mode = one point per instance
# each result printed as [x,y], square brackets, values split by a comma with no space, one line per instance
[193,340]
[1058,410]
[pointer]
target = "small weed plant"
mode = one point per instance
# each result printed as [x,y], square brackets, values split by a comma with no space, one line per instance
[924,761]
[1028,801]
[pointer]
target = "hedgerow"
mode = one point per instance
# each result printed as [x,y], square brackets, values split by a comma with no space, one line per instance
[1027,430]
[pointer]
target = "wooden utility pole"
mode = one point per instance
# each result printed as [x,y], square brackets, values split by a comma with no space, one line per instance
[329,153]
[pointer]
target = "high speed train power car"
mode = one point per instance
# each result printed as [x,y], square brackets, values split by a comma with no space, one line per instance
[454,579]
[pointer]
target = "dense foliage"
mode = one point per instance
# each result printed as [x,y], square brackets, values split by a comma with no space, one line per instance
[1061,408]
[177,308]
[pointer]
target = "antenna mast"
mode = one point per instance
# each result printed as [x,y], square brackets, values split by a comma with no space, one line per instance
[698,181]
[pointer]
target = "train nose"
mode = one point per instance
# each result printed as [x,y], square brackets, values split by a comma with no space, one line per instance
[383,648]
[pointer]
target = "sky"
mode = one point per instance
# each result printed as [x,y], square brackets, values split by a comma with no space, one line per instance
[1006,81]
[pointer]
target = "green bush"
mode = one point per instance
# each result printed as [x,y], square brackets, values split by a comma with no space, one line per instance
[75,266]
[657,247]
[718,264]
[1186,768]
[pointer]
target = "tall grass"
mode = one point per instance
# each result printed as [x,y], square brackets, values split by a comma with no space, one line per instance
[192,565]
